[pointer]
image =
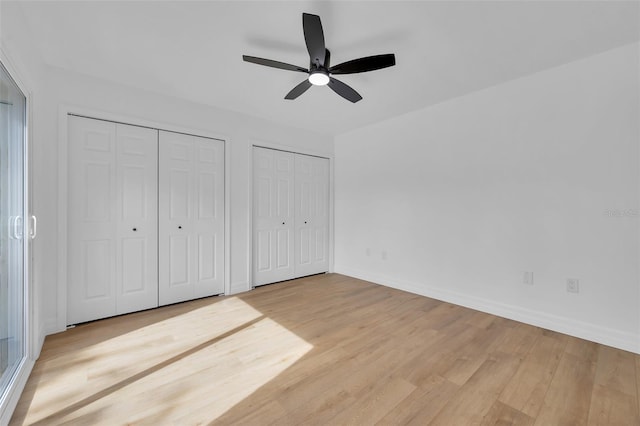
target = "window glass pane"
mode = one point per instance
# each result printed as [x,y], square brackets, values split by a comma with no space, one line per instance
[12,227]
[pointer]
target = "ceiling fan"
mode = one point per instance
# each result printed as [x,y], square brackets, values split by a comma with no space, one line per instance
[320,71]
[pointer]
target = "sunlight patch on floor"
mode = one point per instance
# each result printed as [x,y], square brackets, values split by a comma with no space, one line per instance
[188,368]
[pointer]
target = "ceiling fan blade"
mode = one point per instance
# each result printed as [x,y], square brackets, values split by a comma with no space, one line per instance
[298,90]
[273,64]
[344,90]
[370,63]
[314,37]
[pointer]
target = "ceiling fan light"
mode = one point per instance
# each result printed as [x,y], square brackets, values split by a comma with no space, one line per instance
[318,78]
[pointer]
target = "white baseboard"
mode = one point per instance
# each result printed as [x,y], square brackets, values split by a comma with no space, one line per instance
[51,327]
[593,332]
[39,341]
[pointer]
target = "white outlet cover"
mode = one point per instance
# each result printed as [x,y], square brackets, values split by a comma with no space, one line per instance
[573,285]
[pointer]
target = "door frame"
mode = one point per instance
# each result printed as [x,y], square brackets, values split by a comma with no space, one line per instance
[64,111]
[33,334]
[255,143]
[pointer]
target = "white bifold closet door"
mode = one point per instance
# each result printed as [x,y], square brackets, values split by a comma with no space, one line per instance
[112,219]
[312,215]
[191,217]
[290,215]
[273,220]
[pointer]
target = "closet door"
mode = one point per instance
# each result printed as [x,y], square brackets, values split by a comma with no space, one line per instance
[273,216]
[191,217]
[112,219]
[137,220]
[312,215]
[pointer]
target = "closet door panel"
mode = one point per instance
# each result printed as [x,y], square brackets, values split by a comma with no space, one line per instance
[178,261]
[208,224]
[175,180]
[273,221]
[112,250]
[92,220]
[137,206]
[312,215]
[191,227]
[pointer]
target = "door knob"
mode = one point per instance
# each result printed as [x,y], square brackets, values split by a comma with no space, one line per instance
[135,229]
[283,223]
[305,222]
[179,226]
[34,230]
[16,230]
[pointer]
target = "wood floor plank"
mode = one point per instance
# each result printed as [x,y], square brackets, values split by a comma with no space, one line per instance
[326,349]
[616,370]
[503,415]
[614,398]
[611,407]
[637,357]
[582,349]
[439,353]
[381,398]
[569,396]
[528,387]
[423,404]
[466,361]
[318,410]
[518,339]
[474,400]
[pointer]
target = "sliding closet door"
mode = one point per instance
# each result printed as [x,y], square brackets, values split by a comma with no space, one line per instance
[273,216]
[312,215]
[112,219]
[191,217]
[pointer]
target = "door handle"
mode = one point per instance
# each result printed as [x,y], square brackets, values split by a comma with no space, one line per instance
[34,229]
[16,233]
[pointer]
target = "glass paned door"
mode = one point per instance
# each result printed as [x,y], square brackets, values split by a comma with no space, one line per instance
[12,227]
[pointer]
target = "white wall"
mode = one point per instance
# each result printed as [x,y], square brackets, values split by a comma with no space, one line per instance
[61,88]
[17,45]
[463,197]
[22,59]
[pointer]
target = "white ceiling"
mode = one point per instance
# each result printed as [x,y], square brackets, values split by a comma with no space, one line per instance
[193,50]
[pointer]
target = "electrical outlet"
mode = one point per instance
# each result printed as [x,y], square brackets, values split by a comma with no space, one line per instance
[573,285]
[384,255]
[368,251]
[527,278]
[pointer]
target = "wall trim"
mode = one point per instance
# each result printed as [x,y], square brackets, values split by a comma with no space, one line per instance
[565,325]
[63,113]
[294,149]
[51,327]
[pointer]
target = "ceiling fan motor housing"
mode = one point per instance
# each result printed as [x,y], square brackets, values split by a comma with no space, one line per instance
[314,66]
[319,74]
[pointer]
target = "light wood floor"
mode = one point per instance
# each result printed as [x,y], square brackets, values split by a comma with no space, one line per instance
[326,350]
